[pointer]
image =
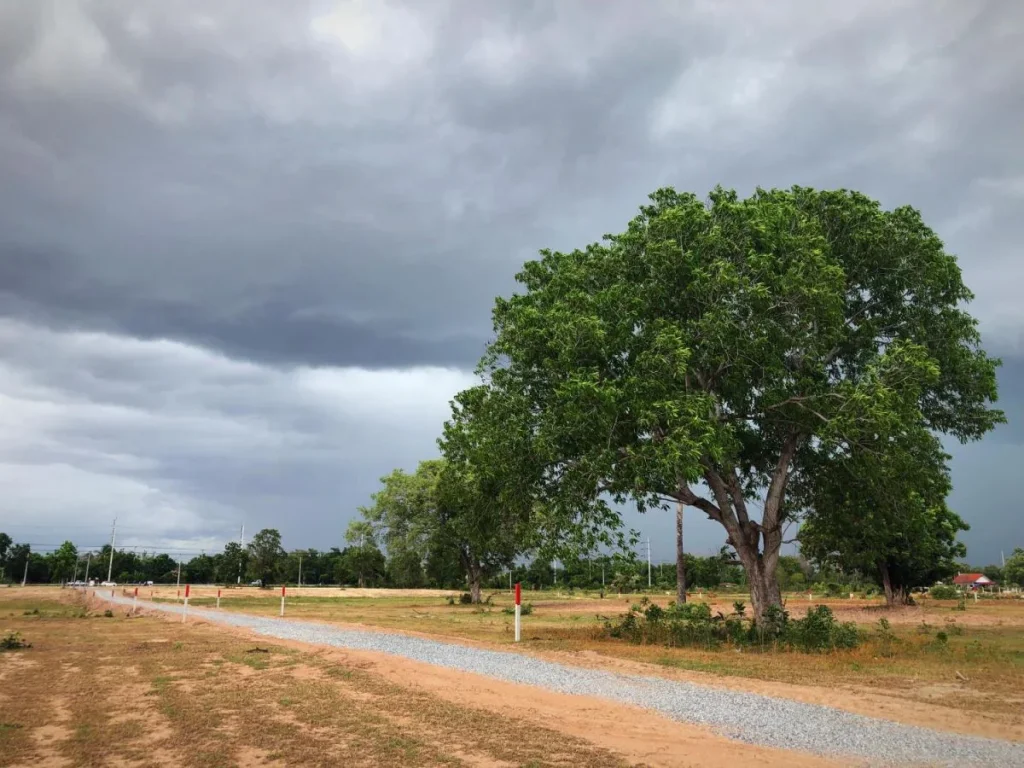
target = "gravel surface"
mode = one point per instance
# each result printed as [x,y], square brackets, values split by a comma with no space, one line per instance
[748,717]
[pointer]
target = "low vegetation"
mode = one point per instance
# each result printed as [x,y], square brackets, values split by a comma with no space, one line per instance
[148,692]
[694,624]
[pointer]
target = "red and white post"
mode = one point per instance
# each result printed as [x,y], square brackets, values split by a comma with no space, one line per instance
[519,602]
[218,599]
[184,613]
[135,601]
[282,599]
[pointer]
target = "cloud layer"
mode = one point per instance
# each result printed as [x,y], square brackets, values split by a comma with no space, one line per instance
[248,250]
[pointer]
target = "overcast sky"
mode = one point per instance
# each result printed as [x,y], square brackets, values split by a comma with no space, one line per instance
[248,249]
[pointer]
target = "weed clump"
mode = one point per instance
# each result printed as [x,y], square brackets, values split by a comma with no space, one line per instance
[943,592]
[694,625]
[13,641]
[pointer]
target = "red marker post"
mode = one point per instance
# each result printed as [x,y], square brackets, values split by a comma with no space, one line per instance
[218,599]
[184,613]
[519,601]
[135,601]
[282,599]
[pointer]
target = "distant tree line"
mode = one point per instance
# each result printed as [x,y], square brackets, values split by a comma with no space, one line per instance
[363,562]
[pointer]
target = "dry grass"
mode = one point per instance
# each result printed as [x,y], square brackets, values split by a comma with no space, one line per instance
[95,691]
[979,667]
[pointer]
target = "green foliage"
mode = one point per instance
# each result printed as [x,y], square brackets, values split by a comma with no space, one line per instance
[13,641]
[739,342]
[265,555]
[1013,571]
[880,509]
[944,592]
[693,624]
[887,639]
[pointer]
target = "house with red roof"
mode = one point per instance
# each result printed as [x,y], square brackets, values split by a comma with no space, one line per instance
[973,581]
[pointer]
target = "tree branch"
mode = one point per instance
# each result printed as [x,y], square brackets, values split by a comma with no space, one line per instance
[688,497]
[777,486]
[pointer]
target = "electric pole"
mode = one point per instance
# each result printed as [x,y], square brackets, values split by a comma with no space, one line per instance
[179,573]
[300,569]
[24,577]
[241,545]
[110,567]
[648,562]
[87,562]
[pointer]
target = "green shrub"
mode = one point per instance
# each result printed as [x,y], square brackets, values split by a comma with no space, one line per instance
[13,641]
[944,592]
[524,610]
[465,599]
[693,624]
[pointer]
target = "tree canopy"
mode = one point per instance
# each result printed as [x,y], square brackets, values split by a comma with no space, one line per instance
[265,555]
[735,342]
[882,511]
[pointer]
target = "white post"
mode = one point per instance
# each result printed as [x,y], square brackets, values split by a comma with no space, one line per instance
[184,611]
[218,599]
[135,601]
[110,567]
[282,599]
[519,599]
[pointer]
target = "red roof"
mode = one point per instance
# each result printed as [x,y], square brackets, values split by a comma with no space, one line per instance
[969,578]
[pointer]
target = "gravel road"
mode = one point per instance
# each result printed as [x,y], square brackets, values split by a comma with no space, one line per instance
[748,717]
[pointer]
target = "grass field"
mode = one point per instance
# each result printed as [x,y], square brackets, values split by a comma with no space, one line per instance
[98,690]
[979,667]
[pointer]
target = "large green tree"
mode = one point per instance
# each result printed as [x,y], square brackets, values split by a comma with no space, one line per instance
[266,555]
[363,557]
[1013,571]
[62,561]
[731,343]
[881,511]
[5,546]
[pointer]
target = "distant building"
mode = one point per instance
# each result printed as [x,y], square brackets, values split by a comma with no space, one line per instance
[973,581]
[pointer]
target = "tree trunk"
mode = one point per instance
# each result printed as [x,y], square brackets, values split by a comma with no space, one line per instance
[475,577]
[762,574]
[890,600]
[680,560]
[893,595]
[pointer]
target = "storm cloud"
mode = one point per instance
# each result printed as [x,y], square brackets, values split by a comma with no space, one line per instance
[248,250]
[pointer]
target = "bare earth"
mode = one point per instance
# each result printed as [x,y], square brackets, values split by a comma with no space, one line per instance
[158,698]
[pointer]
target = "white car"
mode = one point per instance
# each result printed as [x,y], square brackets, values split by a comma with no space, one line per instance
[108,583]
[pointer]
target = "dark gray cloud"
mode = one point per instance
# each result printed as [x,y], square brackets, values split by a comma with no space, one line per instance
[344,187]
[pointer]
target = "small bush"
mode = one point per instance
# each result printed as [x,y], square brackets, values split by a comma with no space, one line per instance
[108,614]
[13,641]
[944,592]
[887,639]
[465,599]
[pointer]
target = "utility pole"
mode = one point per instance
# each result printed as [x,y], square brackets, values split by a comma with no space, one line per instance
[1003,555]
[179,573]
[648,562]
[87,562]
[241,544]
[300,569]
[24,577]
[110,567]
